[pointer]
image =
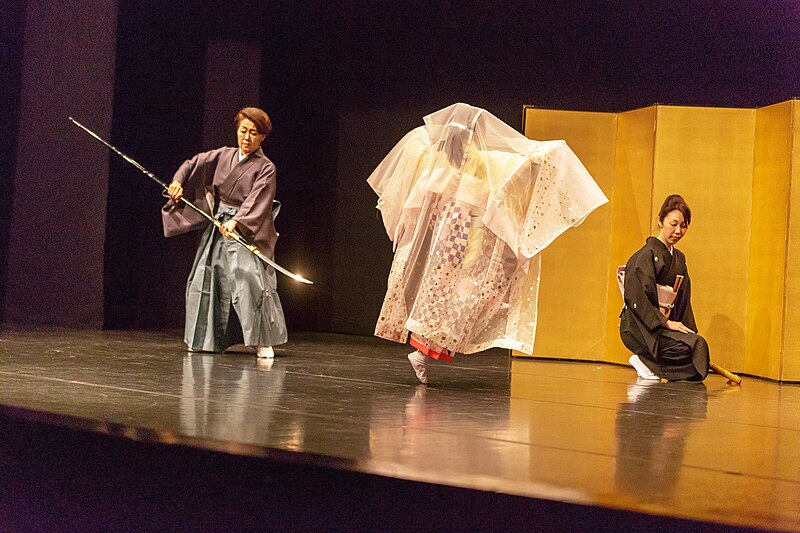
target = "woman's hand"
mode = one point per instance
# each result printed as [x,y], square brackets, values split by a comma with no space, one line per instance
[175,190]
[228,228]
[678,326]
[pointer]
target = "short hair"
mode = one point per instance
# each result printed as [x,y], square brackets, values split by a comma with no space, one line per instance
[256,116]
[672,203]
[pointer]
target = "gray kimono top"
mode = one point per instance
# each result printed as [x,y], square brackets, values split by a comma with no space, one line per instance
[248,184]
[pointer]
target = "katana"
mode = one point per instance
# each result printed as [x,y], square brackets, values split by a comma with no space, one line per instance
[235,236]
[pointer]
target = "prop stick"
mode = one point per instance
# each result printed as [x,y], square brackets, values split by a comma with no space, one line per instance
[730,376]
[235,236]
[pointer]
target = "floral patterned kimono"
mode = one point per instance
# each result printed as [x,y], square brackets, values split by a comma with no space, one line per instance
[469,204]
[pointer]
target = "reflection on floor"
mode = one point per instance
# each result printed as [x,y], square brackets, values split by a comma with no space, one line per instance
[708,451]
[585,434]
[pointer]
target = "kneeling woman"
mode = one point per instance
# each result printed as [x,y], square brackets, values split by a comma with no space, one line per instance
[666,348]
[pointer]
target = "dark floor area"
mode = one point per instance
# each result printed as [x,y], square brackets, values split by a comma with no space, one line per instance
[126,431]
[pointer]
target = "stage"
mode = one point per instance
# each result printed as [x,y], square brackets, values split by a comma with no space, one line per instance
[126,430]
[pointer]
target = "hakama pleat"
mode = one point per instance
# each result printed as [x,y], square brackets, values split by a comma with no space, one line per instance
[227,278]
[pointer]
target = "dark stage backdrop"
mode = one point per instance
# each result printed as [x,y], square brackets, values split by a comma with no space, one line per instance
[11,38]
[344,81]
[56,221]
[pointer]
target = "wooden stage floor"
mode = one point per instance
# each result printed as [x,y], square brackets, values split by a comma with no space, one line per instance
[586,434]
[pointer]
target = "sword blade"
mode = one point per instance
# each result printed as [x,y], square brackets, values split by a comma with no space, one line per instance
[253,249]
[118,152]
[273,264]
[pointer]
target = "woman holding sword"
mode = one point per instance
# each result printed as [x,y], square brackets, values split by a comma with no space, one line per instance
[231,295]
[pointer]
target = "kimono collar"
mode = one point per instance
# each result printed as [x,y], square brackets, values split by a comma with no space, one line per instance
[662,244]
[255,153]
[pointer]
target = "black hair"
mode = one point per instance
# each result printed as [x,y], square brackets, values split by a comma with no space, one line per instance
[673,202]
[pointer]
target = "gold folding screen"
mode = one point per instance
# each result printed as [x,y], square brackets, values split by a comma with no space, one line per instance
[576,285]
[735,169]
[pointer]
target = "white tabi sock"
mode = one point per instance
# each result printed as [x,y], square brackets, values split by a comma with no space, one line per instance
[265,352]
[418,361]
[641,369]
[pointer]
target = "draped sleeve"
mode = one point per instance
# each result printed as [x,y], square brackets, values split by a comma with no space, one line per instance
[196,175]
[509,201]
[563,195]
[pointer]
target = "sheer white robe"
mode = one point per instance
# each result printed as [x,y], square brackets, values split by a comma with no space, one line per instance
[469,204]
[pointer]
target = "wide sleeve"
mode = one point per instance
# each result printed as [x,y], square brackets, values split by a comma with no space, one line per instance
[641,292]
[186,168]
[196,176]
[564,194]
[508,203]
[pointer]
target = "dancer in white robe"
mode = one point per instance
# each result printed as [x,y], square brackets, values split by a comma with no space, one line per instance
[469,204]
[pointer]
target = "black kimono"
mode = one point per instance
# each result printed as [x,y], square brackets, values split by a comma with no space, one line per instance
[669,354]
